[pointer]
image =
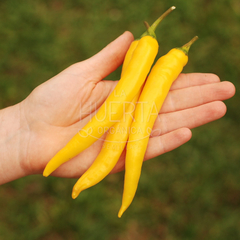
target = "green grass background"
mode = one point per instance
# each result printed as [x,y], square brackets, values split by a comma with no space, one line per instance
[192,192]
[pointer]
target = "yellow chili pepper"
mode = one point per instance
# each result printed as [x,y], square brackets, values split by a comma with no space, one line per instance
[157,86]
[117,136]
[135,42]
[112,110]
[128,55]
[112,149]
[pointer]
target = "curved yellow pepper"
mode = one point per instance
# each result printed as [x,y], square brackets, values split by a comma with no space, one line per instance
[112,110]
[110,153]
[157,86]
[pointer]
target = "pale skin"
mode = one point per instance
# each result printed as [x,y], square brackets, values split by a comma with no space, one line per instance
[34,130]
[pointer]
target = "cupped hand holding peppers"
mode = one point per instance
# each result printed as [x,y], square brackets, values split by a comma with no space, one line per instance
[49,118]
[136,66]
[56,109]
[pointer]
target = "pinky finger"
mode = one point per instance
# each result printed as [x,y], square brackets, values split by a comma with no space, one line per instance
[167,142]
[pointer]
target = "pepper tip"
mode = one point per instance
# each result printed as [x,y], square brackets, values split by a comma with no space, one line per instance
[121,211]
[75,192]
[119,215]
[74,195]
[45,173]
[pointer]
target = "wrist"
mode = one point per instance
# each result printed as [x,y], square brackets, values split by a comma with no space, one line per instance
[12,131]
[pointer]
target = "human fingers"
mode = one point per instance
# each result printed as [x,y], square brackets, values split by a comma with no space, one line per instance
[167,142]
[189,118]
[197,95]
[190,85]
[185,80]
[187,85]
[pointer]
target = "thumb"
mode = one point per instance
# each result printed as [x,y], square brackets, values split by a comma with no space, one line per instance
[108,59]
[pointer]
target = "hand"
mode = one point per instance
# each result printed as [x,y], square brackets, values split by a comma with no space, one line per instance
[60,107]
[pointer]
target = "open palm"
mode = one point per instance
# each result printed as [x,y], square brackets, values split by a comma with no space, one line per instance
[60,107]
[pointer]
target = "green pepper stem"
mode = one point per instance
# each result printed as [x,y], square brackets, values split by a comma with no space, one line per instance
[185,48]
[149,30]
[152,28]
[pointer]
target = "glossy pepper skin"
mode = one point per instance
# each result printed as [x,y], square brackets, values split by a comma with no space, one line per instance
[157,86]
[110,153]
[112,110]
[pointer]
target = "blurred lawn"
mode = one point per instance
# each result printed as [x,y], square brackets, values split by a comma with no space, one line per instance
[190,193]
